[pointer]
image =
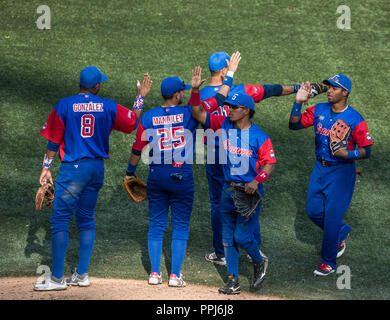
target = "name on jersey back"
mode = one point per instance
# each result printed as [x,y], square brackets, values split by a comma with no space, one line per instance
[171,119]
[88,107]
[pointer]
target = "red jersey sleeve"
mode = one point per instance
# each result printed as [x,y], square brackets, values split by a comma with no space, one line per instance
[54,128]
[210,104]
[141,139]
[215,121]
[125,120]
[361,135]
[307,117]
[266,155]
[256,92]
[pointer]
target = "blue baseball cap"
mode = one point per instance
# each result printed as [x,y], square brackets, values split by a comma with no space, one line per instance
[339,80]
[241,99]
[91,76]
[171,85]
[217,61]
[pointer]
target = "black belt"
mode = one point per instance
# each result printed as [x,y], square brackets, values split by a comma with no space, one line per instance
[325,163]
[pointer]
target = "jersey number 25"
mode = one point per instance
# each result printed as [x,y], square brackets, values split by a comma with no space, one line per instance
[171,137]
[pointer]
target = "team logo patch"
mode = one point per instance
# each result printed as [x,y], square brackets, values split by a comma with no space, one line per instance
[335,78]
[44,126]
[368,136]
[272,153]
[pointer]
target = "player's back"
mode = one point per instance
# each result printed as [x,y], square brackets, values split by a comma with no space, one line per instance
[88,121]
[170,134]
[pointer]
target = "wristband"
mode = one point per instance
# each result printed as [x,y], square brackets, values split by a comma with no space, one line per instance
[195,99]
[47,161]
[230,73]
[130,168]
[52,146]
[262,176]
[296,109]
[296,87]
[353,155]
[228,81]
[138,103]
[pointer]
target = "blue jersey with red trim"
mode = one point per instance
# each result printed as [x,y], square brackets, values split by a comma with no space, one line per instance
[82,124]
[246,150]
[322,118]
[170,133]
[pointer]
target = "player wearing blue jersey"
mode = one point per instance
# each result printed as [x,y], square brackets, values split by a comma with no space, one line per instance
[333,178]
[218,68]
[169,130]
[249,158]
[79,128]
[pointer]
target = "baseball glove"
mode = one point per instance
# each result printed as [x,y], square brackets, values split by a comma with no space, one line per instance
[317,88]
[135,188]
[338,136]
[44,196]
[245,203]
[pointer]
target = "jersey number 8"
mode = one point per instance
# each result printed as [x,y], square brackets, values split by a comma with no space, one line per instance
[87,125]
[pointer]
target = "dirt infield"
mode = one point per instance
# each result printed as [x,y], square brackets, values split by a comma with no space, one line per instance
[116,289]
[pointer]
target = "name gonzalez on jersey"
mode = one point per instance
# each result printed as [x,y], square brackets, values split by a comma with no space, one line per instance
[88,107]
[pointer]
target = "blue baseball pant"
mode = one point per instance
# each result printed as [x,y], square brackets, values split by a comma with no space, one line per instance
[329,195]
[76,189]
[173,188]
[237,232]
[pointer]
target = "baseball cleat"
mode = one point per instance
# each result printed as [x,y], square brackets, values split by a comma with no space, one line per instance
[323,270]
[259,270]
[231,287]
[51,284]
[265,258]
[175,281]
[155,278]
[341,249]
[78,280]
[214,258]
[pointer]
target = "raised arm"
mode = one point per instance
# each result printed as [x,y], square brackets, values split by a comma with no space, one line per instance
[142,91]
[198,111]
[301,97]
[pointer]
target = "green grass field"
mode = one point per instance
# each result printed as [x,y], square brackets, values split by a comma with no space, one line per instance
[280,42]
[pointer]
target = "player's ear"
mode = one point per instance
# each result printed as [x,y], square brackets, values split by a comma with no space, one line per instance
[224,72]
[96,88]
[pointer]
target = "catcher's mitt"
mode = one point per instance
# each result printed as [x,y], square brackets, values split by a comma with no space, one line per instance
[317,88]
[245,203]
[44,196]
[338,136]
[135,188]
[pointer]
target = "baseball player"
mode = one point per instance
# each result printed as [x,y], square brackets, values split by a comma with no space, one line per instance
[333,178]
[169,130]
[250,160]
[79,128]
[218,68]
